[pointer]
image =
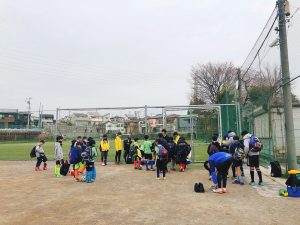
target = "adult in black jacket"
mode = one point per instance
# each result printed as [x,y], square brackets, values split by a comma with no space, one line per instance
[163,142]
[165,135]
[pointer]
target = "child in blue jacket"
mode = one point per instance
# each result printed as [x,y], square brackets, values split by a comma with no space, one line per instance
[219,164]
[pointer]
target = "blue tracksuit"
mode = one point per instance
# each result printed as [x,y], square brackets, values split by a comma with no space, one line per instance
[215,161]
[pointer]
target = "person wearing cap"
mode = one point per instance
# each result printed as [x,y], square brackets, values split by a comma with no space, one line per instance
[118,148]
[104,148]
[59,156]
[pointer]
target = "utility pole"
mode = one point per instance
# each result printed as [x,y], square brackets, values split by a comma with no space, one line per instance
[28,102]
[287,97]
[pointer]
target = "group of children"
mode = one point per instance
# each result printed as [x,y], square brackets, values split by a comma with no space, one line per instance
[83,151]
[163,150]
[232,151]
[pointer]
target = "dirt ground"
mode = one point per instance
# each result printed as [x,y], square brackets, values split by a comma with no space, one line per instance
[122,195]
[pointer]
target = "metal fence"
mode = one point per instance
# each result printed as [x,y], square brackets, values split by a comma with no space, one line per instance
[260,92]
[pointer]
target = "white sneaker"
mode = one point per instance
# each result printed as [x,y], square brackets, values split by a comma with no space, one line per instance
[218,190]
[103,164]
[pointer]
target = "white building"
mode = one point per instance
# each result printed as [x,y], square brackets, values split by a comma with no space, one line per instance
[262,123]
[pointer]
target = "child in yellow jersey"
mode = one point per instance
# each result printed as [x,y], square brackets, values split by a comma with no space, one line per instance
[137,155]
[104,148]
[118,147]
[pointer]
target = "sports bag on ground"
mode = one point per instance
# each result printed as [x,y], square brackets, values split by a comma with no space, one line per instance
[275,169]
[255,144]
[64,169]
[199,188]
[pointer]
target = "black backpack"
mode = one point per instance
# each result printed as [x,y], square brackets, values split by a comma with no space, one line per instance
[275,169]
[199,188]
[33,152]
[64,169]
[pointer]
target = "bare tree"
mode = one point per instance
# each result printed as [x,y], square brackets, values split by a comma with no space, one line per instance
[263,81]
[209,80]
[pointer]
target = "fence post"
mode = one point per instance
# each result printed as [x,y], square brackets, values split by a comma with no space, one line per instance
[146,124]
[56,122]
[164,117]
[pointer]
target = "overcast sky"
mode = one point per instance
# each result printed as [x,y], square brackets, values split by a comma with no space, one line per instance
[94,53]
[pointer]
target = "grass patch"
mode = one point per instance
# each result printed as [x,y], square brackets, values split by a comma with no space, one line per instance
[21,150]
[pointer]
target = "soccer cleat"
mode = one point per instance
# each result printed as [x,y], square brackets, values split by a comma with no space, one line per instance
[37,169]
[157,178]
[261,183]
[103,164]
[45,167]
[218,190]
[164,178]
[242,182]
[252,183]
[224,190]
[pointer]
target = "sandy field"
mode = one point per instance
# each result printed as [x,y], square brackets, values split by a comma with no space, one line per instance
[122,195]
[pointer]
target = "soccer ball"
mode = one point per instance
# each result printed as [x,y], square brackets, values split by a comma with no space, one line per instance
[82,178]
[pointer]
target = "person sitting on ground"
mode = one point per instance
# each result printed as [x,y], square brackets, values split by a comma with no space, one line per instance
[219,164]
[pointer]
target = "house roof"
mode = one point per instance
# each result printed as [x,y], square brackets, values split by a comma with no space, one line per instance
[8,111]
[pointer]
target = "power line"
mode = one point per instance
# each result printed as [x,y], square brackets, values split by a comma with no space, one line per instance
[257,52]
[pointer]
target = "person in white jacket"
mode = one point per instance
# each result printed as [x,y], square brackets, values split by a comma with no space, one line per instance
[40,156]
[253,159]
[59,156]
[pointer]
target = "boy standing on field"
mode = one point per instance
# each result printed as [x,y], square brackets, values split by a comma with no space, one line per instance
[118,147]
[59,157]
[104,148]
[148,153]
[253,158]
[40,156]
